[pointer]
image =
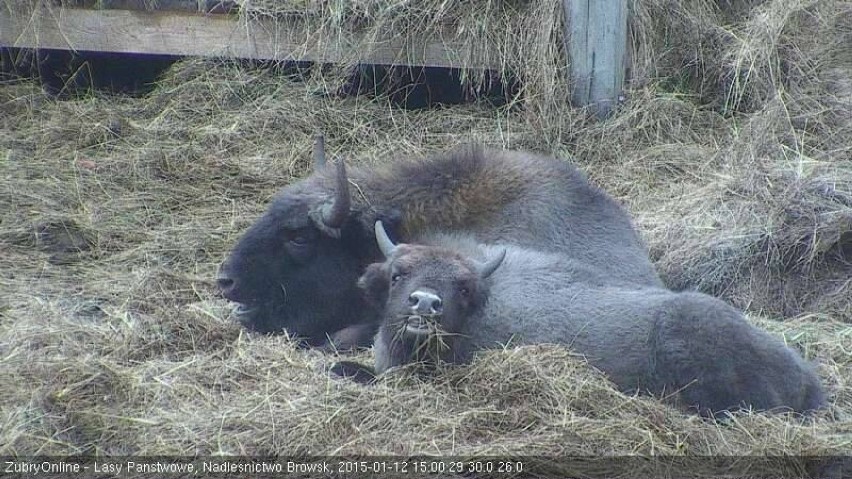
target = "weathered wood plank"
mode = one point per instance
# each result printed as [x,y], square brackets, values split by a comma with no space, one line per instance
[596,41]
[196,6]
[192,34]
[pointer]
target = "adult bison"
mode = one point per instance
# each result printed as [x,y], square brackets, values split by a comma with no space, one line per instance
[454,297]
[296,268]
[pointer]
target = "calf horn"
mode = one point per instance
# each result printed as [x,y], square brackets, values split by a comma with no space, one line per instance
[485,269]
[335,214]
[385,244]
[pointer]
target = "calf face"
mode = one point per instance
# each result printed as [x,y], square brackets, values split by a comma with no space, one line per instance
[428,297]
[424,290]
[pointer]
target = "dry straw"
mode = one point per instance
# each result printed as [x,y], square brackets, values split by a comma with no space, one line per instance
[733,150]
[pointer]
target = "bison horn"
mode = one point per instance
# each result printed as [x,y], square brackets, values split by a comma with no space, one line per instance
[385,244]
[485,269]
[319,152]
[335,214]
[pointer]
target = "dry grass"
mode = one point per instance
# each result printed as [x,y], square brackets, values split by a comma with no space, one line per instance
[733,151]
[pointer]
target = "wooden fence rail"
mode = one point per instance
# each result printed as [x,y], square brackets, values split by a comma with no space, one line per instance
[595,36]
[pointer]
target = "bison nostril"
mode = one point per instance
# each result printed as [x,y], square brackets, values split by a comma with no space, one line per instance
[424,302]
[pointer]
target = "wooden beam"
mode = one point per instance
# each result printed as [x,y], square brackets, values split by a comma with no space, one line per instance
[193,34]
[596,42]
[197,6]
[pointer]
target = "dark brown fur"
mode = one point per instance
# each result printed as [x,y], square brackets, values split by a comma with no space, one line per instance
[462,188]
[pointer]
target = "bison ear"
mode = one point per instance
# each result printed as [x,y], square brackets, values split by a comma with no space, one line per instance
[375,284]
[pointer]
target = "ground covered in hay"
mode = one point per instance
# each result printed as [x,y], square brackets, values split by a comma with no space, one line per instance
[733,150]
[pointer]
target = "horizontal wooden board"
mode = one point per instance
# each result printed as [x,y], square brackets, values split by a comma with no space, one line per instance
[193,34]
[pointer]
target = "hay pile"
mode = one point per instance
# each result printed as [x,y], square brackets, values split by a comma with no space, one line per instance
[733,150]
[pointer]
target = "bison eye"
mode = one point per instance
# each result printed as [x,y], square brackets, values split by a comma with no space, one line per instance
[299,240]
[299,237]
[464,291]
[299,244]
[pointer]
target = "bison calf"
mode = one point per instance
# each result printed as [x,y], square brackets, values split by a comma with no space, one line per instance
[645,339]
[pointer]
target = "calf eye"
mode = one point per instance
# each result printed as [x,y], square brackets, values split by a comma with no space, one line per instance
[395,278]
[464,291]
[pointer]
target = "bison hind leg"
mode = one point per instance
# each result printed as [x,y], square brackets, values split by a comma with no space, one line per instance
[360,373]
[718,362]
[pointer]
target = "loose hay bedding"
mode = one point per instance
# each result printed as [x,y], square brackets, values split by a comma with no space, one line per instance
[735,158]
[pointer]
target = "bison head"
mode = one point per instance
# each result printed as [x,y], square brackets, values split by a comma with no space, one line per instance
[296,268]
[426,289]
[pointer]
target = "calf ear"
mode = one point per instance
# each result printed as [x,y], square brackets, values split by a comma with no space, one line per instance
[375,284]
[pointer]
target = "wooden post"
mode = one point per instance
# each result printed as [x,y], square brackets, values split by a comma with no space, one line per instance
[596,42]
